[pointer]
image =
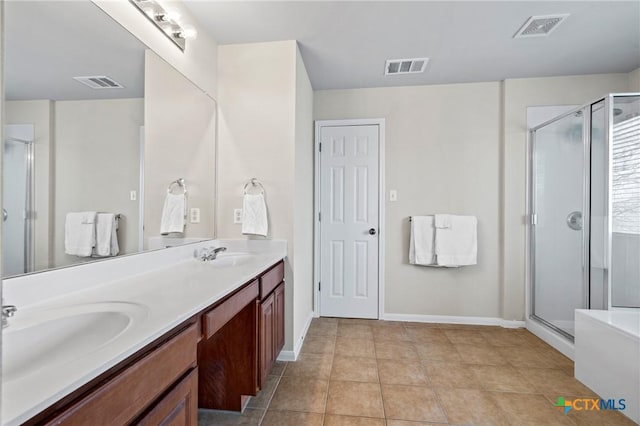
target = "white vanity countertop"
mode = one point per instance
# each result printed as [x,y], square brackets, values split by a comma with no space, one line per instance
[168,296]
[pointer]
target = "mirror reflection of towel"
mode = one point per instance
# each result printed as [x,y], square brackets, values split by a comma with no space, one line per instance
[173,214]
[106,236]
[254,215]
[79,233]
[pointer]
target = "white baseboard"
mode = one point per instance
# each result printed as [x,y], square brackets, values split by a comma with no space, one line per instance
[449,319]
[293,355]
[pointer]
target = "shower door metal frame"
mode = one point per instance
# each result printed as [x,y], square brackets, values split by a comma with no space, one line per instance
[585,111]
[29,261]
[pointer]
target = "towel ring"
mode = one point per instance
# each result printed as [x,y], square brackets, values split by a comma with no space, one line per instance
[177,183]
[253,183]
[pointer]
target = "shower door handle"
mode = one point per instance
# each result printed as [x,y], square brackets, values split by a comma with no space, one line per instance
[5,215]
[574,220]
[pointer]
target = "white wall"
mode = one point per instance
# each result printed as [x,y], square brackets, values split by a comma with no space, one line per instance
[40,114]
[303,202]
[180,142]
[442,155]
[199,60]
[634,81]
[265,132]
[97,163]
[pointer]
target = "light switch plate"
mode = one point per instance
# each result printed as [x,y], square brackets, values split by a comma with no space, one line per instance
[194,215]
[133,195]
[237,215]
[393,195]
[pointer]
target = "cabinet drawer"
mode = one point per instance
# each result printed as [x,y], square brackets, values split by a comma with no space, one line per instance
[271,279]
[213,320]
[123,397]
[178,408]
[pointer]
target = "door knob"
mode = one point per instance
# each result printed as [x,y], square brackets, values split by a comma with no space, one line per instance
[5,215]
[372,231]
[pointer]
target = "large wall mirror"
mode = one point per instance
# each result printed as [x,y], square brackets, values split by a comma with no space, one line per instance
[95,123]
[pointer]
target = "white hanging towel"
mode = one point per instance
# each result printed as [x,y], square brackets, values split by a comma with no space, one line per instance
[457,245]
[173,214]
[106,235]
[79,233]
[421,241]
[254,215]
[442,221]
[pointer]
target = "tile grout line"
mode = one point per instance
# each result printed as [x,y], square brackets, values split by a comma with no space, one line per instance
[272,395]
[375,354]
[333,356]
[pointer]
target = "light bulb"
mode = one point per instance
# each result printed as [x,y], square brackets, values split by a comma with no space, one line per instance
[189,32]
[149,11]
[172,15]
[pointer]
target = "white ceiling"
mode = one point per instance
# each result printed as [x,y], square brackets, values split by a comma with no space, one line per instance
[47,43]
[345,44]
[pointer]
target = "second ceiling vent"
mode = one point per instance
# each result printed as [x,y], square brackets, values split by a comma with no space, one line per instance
[405,66]
[99,82]
[537,26]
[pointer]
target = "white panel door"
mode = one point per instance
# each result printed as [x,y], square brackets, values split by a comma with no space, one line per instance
[349,186]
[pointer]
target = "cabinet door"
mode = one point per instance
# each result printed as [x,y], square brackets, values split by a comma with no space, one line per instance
[179,407]
[279,319]
[267,352]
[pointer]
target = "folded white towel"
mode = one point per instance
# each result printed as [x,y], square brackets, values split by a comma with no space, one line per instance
[421,241]
[443,221]
[106,235]
[457,245]
[79,233]
[254,215]
[173,214]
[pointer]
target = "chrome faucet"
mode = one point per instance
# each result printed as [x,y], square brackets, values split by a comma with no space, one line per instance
[7,312]
[210,253]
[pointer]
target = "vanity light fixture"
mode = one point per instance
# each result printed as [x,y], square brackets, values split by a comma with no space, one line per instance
[167,21]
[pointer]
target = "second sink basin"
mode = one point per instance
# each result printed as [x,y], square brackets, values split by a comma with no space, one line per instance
[41,338]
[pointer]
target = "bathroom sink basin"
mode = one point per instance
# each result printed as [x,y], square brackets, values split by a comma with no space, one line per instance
[225,259]
[43,338]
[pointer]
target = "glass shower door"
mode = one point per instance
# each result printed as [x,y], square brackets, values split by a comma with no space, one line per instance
[558,256]
[16,199]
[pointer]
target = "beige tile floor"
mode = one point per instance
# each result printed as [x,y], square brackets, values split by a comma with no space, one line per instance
[381,373]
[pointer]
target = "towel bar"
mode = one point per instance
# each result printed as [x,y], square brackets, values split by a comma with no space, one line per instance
[254,184]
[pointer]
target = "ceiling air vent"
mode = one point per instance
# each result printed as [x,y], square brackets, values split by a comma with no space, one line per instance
[99,82]
[405,66]
[540,25]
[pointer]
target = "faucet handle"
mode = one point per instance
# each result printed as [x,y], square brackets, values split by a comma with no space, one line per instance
[8,310]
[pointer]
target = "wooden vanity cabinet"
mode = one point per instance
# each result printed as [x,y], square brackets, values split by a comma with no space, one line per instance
[216,359]
[279,318]
[271,319]
[267,337]
[228,352]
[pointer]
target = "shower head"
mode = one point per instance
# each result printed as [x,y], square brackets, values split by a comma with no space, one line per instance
[617,112]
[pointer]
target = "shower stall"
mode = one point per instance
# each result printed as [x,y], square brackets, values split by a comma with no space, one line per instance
[17,193]
[584,212]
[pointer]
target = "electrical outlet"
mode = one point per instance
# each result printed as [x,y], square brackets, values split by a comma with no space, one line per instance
[393,195]
[194,215]
[133,195]
[237,215]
